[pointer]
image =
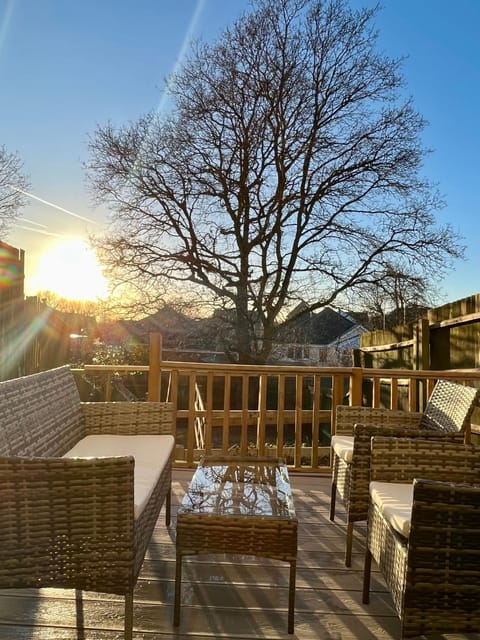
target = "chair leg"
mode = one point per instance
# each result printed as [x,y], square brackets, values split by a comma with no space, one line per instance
[348,545]
[291,596]
[168,504]
[333,497]
[129,616]
[366,577]
[178,590]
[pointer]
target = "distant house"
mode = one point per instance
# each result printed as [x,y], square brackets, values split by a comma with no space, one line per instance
[174,326]
[183,338]
[325,338]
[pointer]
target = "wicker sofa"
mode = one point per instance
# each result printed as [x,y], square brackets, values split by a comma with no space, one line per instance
[81,486]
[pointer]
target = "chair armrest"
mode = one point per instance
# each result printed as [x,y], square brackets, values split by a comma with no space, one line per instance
[347,417]
[446,514]
[128,418]
[65,518]
[367,431]
[404,459]
[364,433]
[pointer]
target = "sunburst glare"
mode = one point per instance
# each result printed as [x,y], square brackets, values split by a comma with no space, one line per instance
[71,270]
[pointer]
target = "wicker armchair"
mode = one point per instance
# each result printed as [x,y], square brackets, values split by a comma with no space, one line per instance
[423,529]
[446,416]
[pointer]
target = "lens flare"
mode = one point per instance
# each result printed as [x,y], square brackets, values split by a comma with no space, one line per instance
[10,271]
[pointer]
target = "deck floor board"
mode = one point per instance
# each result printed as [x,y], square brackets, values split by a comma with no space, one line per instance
[235,597]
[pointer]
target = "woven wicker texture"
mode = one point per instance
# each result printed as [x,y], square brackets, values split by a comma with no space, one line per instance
[69,522]
[450,407]
[127,418]
[66,525]
[40,414]
[450,404]
[245,536]
[434,576]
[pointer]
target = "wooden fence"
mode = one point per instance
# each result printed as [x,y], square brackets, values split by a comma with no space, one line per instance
[265,409]
[12,263]
[448,338]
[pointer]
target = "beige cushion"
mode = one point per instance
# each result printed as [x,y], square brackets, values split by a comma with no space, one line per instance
[151,454]
[394,501]
[343,447]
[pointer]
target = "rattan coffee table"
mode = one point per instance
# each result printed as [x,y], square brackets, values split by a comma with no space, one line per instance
[242,506]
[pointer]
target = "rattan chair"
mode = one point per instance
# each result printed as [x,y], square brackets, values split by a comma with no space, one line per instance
[423,530]
[446,416]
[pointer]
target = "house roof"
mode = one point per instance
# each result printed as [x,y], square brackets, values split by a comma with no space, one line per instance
[167,321]
[320,328]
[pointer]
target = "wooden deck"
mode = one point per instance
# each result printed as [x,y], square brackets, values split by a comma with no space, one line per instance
[226,596]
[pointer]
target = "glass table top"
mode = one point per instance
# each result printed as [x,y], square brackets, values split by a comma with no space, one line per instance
[239,486]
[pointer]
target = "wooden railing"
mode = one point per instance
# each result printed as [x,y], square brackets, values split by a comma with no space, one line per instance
[270,410]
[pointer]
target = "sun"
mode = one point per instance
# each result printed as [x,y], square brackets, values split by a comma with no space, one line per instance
[71,270]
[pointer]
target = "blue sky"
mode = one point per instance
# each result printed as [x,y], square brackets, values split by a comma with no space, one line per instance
[66,66]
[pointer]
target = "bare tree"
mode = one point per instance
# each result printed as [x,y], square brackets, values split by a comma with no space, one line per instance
[70,305]
[12,185]
[397,297]
[287,170]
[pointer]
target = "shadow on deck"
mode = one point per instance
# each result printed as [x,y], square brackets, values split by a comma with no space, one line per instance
[227,596]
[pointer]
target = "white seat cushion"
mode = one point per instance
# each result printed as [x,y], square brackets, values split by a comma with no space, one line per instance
[343,447]
[151,454]
[394,501]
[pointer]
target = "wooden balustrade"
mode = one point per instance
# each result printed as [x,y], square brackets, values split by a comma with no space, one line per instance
[271,410]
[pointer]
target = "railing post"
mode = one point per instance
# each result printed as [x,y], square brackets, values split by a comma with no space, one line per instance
[209,415]
[356,384]
[227,392]
[108,388]
[192,398]
[422,357]
[281,414]
[154,376]
[421,346]
[298,420]
[316,417]
[244,415]
[262,411]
